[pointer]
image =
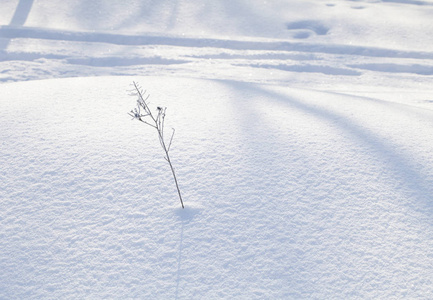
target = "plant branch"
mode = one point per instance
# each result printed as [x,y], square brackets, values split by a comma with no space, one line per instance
[155,122]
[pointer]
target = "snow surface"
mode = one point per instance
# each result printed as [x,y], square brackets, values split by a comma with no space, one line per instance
[303,149]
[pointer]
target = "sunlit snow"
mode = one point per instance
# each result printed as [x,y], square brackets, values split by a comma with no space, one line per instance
[303,150]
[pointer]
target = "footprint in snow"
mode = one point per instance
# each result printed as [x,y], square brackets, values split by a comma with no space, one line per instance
[307,28]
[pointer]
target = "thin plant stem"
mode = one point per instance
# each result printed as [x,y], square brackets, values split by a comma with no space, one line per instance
[159,126]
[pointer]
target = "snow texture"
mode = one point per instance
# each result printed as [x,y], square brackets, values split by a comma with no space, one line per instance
[303,149]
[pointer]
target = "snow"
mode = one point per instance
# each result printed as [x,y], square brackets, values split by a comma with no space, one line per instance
[304,133]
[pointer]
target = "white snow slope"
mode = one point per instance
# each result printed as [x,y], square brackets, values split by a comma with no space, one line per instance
[303,149]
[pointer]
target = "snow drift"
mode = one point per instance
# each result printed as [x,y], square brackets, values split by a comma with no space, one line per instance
[302,148]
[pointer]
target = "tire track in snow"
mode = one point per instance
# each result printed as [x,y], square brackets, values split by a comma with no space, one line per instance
[136,50]
[131,40]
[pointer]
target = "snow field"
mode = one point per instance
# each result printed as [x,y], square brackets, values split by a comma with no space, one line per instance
[288,193]
[303,150]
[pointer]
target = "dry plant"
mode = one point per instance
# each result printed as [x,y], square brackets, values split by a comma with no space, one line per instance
[143,114]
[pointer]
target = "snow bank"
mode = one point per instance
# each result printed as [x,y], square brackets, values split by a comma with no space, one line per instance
[303,149]
[289,193]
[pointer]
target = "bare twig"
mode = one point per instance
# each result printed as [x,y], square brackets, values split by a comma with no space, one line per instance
[171,139]
[155,122]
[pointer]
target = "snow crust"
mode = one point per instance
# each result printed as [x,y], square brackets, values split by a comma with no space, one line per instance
[303,149]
